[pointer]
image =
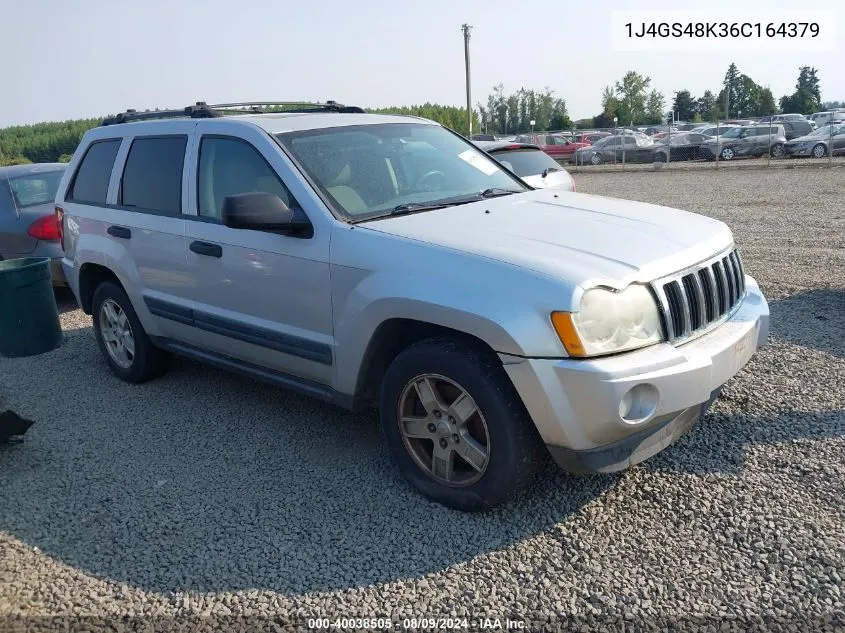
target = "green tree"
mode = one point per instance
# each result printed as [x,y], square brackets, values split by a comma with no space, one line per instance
[807,96]
[708,107]
[655,108]
[767,103]
[632,95]
[730,85]
[64,158]
[832,105]
[684,106]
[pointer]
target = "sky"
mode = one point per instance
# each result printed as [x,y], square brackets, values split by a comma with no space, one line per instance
[66,60]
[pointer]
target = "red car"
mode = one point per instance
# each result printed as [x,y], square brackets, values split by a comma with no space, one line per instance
[559,146]
[590,137]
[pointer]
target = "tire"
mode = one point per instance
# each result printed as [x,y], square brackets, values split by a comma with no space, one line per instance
[146,360]
[819,154]
[727,154]
[596,159]
[777,150]
[514,450]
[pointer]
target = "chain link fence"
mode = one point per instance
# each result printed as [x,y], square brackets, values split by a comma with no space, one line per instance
[776,142]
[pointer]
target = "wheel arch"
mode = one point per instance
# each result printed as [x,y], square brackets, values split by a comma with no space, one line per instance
[92,275]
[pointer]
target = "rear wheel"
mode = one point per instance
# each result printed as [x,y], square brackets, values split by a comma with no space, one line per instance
[777,150]
[455,425]
[596,159]
[124,343]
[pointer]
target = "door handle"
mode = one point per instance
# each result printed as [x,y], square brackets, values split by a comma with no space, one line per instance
[206,248]
[119,231]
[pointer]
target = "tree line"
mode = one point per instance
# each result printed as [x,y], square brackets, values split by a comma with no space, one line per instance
[629,101]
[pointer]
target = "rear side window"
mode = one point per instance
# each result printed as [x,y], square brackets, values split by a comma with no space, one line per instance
[91,183]
[152,178]
[527,162]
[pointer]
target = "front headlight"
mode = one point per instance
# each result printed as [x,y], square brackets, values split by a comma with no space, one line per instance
[608,322]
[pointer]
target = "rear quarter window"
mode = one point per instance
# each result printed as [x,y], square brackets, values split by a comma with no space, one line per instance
[152,177]
[91,181]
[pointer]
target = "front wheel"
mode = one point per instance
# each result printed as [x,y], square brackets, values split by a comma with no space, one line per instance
[596,159]
[727,154]
[777,151]
[455,425]
[819,150]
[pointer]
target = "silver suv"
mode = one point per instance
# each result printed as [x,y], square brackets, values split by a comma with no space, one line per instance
[384,260]
[748,140]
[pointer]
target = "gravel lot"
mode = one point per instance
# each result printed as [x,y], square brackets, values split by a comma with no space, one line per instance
[204,496]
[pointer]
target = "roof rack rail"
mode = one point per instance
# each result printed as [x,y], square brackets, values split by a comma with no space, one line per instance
[201,110]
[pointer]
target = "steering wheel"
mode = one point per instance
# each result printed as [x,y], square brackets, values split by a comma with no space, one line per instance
[429,181]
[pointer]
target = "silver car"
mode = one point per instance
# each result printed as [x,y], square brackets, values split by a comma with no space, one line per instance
[828,139]
[28,226]
[530,163]
[385,261]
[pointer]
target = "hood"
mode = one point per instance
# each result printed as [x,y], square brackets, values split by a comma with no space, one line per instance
[806,139]
[579,238]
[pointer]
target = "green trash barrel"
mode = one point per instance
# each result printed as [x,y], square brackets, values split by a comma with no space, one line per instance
[29,316]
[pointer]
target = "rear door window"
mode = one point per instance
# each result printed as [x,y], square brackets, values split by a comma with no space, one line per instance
[527,162]
[152,178]
[91,183]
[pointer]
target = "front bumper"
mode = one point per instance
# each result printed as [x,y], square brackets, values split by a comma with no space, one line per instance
[576,404]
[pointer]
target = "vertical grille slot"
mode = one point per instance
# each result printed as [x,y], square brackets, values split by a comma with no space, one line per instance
[676,309]
[695,301]
[722,286]
[726,264]
[711,300]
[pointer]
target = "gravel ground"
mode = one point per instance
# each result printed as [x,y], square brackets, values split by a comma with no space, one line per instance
[208,497]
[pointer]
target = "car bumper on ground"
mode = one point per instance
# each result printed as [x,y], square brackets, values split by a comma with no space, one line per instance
[577,405]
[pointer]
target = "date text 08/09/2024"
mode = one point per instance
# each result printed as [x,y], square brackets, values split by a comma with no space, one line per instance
[416,624]
[723,29]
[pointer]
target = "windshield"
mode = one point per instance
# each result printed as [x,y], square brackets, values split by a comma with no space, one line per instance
[372,170]
[37,188]
[527,162]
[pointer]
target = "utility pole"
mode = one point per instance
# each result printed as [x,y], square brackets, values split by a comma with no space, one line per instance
[465,28]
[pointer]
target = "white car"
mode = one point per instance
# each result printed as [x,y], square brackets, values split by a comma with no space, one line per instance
[530,163]
[385,261]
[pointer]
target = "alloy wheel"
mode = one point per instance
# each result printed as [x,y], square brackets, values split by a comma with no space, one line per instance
[117,333]
[443,430]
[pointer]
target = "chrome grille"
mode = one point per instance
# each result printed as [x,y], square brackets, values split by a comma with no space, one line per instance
[697,299]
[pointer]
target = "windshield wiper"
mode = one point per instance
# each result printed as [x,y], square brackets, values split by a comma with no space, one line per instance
[549,170]
[495,192]
[412,207]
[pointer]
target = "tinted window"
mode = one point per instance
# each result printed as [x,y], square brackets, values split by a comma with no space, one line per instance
[38,188]
[527,162]
[91,183]
[152,178]
[229,166]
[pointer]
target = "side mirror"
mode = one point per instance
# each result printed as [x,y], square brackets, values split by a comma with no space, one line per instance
[261,211]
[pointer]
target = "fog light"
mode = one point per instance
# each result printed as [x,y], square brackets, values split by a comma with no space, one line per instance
[639,404]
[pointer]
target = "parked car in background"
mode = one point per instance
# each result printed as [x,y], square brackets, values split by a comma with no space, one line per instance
[378,261]
[590,137]
[483,137]
[822,118]
[614,149]
[793,128]
[558,146]
[530,163]
[748,140]
[713,130]
[28,226]
[775,118]
[824,140]
[680,146]
[686,127]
